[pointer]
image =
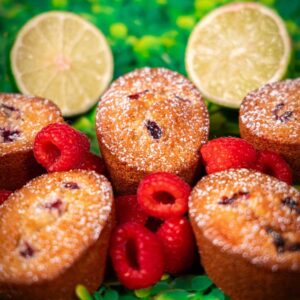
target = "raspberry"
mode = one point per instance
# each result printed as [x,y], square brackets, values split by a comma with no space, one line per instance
[227,152]
[137,256]
[128,210]
[179,244]
[4,194]
[59,147]
[273,164]
[163,195]
[93,162]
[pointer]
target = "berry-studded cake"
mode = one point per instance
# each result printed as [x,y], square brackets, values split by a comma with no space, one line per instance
[21,117]
[54,235]
[270,120]
[247,226]
[151,120]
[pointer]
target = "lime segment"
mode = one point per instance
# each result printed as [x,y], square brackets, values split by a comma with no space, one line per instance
[62,57]
[236,49]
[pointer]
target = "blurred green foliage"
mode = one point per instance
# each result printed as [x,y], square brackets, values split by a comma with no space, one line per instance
[190,287]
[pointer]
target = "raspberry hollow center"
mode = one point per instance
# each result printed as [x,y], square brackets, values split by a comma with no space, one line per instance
[53,153]
[132,254]
[164,197]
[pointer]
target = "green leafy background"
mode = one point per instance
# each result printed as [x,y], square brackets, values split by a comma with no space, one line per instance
[142,33]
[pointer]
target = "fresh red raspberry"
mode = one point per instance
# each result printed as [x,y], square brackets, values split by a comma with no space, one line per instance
[179,244]
[128,210]
[163,195]
[59,147]
[273,164]
[137,255]
[4,194]
[227,152]
[93,162]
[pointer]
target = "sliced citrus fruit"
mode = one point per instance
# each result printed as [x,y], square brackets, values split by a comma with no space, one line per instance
[235,49]
[62,57]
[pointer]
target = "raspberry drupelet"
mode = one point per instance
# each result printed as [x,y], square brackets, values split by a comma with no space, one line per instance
[163,195]
[137,255]
[59,147]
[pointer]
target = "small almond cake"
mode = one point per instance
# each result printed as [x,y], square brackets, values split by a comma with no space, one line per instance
[54,235]
[270,120]
[247,227]
[149,120]
[21,117]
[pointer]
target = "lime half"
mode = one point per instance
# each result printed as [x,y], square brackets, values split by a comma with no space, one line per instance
[62,57]
[236,49]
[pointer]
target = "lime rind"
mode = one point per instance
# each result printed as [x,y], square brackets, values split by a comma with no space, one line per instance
[207,21]
[87,27]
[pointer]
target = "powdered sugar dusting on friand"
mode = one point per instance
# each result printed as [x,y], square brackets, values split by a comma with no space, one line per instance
[153,119]
[21,117]
[261,221]
[50,222]
[273,111]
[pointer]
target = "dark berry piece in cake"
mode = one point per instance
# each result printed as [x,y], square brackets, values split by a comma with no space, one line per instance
[9,135]
[25,249]
[227,152]
[8,107]
[137,255]
[278,240]
[59,147]
[163,195]
[282,244]
[10,111]
[182,99]
[291,203]
[154,130]
[136,96]
[71,185]
[282,116]
[56,206]
[229,200]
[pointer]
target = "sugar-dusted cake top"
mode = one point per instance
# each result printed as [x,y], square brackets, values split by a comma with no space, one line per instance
[251,214]
[153,118]
[21,117]
[49,223]
[273,112]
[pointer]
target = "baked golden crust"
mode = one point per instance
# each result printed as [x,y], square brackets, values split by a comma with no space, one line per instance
[151,120]
[270,120]
[21,117]
[54,234]
[247,225]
